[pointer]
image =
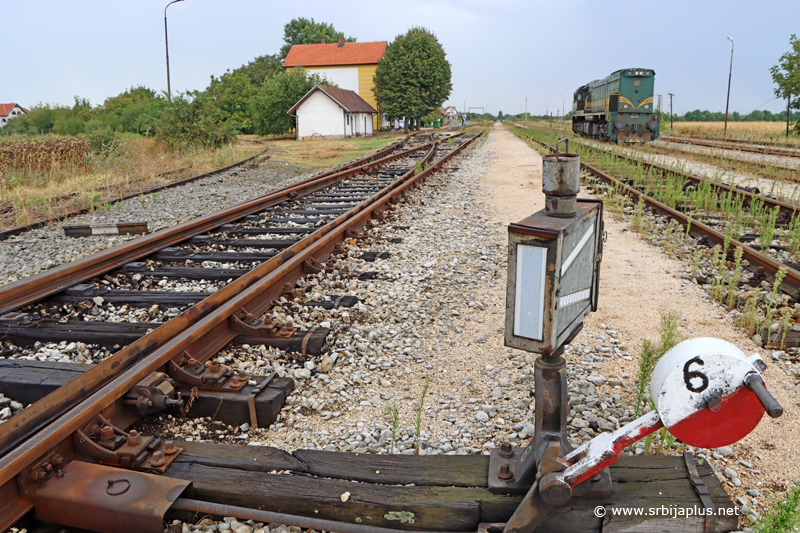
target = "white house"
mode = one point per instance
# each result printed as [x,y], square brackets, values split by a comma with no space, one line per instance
[332,113]
[10,112]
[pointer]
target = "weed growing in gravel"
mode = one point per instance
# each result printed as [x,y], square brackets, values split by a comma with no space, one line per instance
[784,515]
[733,281]
[418,415]
[773,301]
[651,353]
[636,218]
[392,415]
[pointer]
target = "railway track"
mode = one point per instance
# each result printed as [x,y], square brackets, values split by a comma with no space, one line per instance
[731,144]
[248,258]
[685,213]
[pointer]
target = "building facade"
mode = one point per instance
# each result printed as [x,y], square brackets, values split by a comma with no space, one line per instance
[9,112]
[332,113]
[351,66]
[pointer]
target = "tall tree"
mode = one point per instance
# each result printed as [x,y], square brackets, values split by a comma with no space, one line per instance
[413,77]
[305,31]
[786,75]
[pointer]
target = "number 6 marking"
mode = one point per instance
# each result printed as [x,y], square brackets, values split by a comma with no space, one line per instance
[689,375]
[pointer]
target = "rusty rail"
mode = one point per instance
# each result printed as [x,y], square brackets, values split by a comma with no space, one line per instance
[728,144]
[209,331]
[54,280]
[791,283]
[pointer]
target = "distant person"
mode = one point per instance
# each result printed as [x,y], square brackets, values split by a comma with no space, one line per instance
[463,119]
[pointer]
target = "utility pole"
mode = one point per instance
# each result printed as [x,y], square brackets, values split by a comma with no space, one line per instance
[730,72]
[788,113]
[166,41]
[562,107]
[670,111]
[546,113]
[526,115]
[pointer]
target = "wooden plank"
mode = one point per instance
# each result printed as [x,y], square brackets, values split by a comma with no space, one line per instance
[233,229]
[243,243]
[86,292]
[640,483]
[234,408]
[120,228]
[30,381]
[426,470]
[247,458]
[439,508]
[178,255]
[107,334]
[314,344]
[183,272]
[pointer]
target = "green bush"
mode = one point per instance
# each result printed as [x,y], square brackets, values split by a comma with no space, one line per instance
[68,125]
[193,120]
[102,139]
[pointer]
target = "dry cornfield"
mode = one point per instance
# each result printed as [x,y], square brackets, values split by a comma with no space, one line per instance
[747,131]
[39,156]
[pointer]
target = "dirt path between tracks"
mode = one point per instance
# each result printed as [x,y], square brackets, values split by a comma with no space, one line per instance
[637,280]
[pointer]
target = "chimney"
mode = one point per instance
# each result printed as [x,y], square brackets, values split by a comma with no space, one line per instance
[323,41]
[341,42]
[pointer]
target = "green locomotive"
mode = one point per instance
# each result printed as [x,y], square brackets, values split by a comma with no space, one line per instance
[621,107]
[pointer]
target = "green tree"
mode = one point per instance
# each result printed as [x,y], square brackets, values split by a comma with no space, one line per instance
[269,107]
[786,75]
[231,93]
[305,31]
[193,120]
[260,69]
[413,76]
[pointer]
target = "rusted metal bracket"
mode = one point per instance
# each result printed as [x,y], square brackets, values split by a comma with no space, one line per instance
[104,443]
[246,324]
[702,491]
[154,393]
[29,481]
[289,292]
[101,498]
[311,266]
[189,372]
[251,399]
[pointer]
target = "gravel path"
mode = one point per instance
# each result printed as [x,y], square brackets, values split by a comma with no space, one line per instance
[27,254]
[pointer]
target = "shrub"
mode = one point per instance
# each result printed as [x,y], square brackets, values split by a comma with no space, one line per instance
[102,139]
[193,120]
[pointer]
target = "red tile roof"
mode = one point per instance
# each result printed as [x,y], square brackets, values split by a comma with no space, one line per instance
[5,109]
[319,55]
[347,100]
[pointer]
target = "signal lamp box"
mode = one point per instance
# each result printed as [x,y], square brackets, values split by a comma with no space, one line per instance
[553,277]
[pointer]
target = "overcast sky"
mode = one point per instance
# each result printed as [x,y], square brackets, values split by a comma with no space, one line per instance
[501,51]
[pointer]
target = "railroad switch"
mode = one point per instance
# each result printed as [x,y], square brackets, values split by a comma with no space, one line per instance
[707,392]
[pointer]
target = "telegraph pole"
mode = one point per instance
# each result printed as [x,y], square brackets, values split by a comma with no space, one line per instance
[725,132]
[166,42]
[670,111]
[788,113]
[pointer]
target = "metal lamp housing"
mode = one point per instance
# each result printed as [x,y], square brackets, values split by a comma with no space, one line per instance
[553,277]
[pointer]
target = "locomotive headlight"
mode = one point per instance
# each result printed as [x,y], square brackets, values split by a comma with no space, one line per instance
[647,107]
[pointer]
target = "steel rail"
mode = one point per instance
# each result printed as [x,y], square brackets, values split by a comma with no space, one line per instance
[28,290]
[205,337]
[790,284]
[742,146]
[35,416]
[784,207]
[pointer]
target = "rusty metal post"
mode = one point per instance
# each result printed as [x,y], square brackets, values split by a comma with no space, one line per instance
[561,182]
[551,403]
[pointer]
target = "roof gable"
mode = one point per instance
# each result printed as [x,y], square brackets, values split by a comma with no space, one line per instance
[347,100]
[5,109]
[318,55]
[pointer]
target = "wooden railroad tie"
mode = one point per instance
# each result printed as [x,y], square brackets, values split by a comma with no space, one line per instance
[120,228]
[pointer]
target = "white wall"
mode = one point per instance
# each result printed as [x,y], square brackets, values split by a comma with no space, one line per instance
[345,78]
[321,116]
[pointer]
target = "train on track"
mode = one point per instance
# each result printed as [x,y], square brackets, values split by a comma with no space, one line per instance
[621,107]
